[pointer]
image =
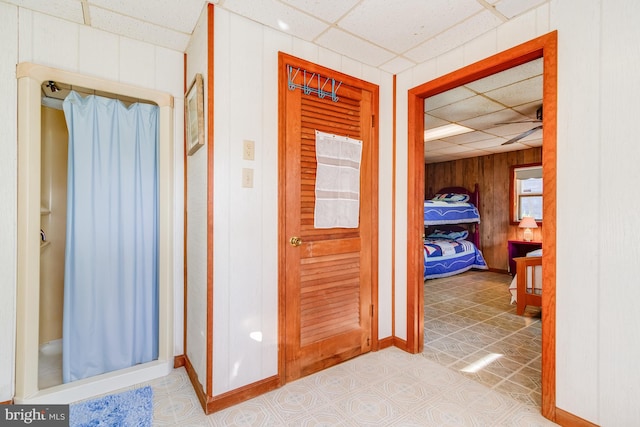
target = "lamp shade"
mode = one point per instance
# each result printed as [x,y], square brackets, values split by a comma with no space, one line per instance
[528,222]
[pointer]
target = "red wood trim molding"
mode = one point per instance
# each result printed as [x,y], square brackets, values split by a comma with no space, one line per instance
[197,387]
[385,343]
[541,47]
[210,189]
[393,209]
[186,218]
[8,402]
[179,361]
[567,419]
[242,394]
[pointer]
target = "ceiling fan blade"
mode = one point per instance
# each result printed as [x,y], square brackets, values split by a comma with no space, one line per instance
[522,135]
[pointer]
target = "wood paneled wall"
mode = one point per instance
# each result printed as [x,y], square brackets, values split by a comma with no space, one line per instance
[492,175]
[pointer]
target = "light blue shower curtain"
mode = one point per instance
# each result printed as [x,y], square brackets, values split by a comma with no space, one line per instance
[110,318]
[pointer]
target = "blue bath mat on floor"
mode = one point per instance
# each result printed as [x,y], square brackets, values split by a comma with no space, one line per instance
[127,409]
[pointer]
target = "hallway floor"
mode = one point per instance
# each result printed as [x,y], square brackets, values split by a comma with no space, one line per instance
[384,388]
[472,327]
[480,367]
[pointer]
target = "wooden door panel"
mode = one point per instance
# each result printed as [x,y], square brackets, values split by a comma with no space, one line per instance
[328,279]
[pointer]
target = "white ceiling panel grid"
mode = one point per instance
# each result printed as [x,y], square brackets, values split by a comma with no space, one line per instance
[392,35]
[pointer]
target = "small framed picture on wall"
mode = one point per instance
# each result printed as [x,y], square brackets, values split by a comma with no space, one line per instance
[194,115]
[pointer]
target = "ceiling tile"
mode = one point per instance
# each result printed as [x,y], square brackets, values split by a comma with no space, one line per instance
[138,30]
[518,93]
[179,16]
[510,147]
[355,48]
[71,10]
[280,16]
[400,25]
[472,107]
[511,130]
[507,77]
[469,137]
[489,121]
[512,8]
[397,65]
[431,122]
[530,109]
[532,143]
[446,98]
[455,36]
[327,10]
[486,144]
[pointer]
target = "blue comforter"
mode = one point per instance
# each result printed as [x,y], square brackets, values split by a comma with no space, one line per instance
[444,258]
[439,212]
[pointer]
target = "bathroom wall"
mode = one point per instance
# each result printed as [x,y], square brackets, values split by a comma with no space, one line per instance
[27,36]
[53,207]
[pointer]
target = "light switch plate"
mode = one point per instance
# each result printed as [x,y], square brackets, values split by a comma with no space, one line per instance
[248,150]
[247,178]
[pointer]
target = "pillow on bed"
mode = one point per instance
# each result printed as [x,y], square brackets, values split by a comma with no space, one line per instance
[449,234]
[451,197]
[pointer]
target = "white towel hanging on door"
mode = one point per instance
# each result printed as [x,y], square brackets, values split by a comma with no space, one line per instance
[337,181]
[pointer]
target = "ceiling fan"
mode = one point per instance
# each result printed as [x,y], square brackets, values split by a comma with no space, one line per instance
[526,133]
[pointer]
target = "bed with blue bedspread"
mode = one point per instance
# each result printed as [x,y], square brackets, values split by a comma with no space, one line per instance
[450,248]
[438,212]
[446,257]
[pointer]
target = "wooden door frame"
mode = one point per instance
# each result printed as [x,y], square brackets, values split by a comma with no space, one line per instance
[542,47]
[283,60]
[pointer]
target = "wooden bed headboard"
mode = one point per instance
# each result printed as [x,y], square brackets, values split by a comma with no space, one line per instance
[474,199]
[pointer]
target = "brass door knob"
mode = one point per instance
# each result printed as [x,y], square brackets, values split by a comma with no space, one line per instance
[295,241]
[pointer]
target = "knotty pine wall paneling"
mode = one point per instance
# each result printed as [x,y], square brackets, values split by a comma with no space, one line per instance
[491,172]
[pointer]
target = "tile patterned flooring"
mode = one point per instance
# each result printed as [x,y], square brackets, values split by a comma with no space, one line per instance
[468,319]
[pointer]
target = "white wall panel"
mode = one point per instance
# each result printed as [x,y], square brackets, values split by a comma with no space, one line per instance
[351,67]
[385,201]
[273,41]
[450,61]
[27,36]
[221,206]
[578,181]
[55,42]
[404,82]
[481,47]
[518,30]
[8,185]
[246,220]
[305,50]
[329,58]
[245,248]
[169,70]
[98,53]
[619,322]
[197,236]
[137,62]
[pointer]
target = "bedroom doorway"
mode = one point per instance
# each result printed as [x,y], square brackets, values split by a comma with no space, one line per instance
[544,47]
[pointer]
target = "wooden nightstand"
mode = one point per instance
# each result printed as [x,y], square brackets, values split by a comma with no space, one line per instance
[518,248]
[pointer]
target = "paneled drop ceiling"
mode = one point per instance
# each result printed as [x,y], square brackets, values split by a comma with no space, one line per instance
[393,35]
[489,106]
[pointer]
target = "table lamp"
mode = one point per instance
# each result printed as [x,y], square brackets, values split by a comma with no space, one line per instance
[528,223]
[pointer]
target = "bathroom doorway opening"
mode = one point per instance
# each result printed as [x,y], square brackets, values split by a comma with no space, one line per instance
[36,212]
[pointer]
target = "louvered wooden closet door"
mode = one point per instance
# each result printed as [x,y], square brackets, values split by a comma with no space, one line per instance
[328,277]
